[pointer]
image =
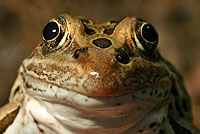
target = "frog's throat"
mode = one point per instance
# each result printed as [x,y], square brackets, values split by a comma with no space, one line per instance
[80,114]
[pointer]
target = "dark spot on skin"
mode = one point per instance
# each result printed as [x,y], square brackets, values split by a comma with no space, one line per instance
[166,93]
[41,44]
[86,99]
[156,91]
[154,130]
[84,20]
[88,30]
[184,103]
[178,128]
[27,85]
[37,123]
[122,56]
[109,31]
[161,131]
[178,108]
[114,21]
[159,95]
[41,130]
[174,90]
[102,42]
[118,104]
[170,107]
[80,51]
[151,93]
[144,91]
[163,120]
[141,130]
[152,124]
[7,120]
[23,76]
[16,90]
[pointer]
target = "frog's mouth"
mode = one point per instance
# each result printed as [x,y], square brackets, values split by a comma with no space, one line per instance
[152,91]
[82,114]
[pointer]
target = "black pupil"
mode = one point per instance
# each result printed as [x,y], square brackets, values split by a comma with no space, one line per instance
[51,30]
[149,33]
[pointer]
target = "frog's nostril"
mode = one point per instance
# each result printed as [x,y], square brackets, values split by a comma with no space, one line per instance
[102,42]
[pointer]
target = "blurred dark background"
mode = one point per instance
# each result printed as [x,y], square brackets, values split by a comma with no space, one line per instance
[177,21]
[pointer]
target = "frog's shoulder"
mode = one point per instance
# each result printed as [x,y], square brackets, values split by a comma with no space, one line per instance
[7,118]
[180,110]
[9,111]
[180,107]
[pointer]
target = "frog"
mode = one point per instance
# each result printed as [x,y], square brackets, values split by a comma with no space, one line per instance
[104,78]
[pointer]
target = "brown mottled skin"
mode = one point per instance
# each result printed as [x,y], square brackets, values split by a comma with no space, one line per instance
[106,60]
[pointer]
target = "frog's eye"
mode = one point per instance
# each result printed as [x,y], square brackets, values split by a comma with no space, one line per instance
[55,34]
[51,31]
[146,37]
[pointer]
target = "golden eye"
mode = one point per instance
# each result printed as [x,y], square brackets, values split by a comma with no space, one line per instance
[54,33]
[146,37]
[51,31]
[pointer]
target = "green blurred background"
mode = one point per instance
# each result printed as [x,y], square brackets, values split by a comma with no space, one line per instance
[177,21]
